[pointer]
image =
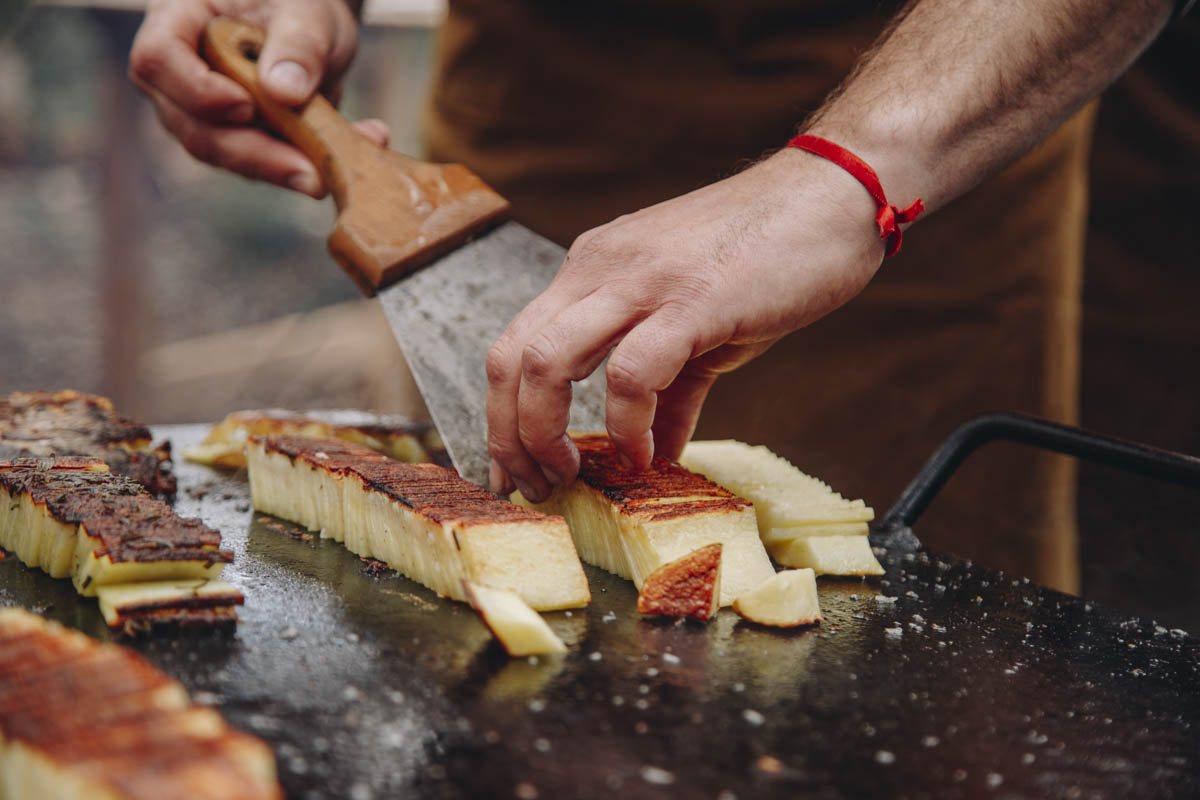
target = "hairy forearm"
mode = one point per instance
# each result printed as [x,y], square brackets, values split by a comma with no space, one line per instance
[955,90]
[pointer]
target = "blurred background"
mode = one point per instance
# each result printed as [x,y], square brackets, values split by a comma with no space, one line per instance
[183,293]
[180,291]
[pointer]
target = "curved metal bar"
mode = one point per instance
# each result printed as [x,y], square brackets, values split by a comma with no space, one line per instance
[1139,458]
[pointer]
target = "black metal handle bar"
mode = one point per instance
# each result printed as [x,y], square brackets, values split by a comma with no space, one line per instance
[1143,459]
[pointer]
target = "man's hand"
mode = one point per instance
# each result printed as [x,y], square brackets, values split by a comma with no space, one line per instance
[698,285]
[679,293]
[309,45]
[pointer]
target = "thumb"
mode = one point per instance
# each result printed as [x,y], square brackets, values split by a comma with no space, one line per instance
[298,53]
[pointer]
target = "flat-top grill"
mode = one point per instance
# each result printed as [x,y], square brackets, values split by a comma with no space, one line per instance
[942,679]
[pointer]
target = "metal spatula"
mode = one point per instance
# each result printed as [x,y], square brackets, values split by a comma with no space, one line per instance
[431,240]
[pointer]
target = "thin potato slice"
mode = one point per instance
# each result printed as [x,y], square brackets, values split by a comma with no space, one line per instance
[518,627]
[828,555]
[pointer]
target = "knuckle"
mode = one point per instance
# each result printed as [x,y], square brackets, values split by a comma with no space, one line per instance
[538,440]
[146,63]
[538,360]
[596,246]
[622,430]
[499,362]
[624,377]
[196,143]
[501,448]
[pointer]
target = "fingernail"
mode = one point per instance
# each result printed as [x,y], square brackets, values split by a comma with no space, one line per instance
[306,182]
[290,78]
[527,491]
[552,476]
[240,114]
[625,462]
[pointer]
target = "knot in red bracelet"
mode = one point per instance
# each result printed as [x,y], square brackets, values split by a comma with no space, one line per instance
[889,218]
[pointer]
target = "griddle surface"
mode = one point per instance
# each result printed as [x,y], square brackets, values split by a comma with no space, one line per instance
[968,683]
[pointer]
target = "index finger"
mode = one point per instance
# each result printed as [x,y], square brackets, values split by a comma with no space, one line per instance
[165,58]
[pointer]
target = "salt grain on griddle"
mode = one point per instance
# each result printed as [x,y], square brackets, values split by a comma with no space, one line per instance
[753,717]
[657,776]
[885,757]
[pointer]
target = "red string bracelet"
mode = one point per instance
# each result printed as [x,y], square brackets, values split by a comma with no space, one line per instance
[889,217]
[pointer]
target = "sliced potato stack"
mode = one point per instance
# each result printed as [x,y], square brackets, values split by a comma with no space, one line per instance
[802,521]
[403,440]
[75,519]
[421,519]
[74,424]
[93,721]
[632,522]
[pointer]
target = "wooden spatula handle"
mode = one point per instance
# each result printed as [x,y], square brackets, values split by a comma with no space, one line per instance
[395,213]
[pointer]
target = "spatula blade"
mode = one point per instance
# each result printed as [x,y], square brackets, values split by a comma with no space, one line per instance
[446,316]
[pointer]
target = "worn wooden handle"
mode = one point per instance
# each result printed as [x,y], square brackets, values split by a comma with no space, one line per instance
[395,213]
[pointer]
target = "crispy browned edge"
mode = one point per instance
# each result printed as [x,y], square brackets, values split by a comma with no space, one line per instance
[181,619]
[129,524]
[281,422]
[431,490]
[664,491]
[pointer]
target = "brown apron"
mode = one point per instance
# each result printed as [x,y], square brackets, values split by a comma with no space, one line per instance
[580,112]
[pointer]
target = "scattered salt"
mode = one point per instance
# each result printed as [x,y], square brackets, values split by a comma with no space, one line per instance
[753,717]
[657,776]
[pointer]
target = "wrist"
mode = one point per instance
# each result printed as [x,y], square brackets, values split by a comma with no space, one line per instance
[848,207]
[895,149]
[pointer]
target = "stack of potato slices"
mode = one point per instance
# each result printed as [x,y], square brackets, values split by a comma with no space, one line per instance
[93,721]
[632,522]
[70,423]
[403,440]
[73,518]
[420,519]
[802,521]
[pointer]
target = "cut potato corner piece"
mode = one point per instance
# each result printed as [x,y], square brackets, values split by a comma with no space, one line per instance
[519,628]
[828,555]
[787,600]
[631,522]
[686,587]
